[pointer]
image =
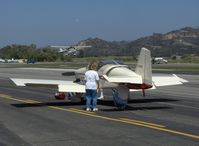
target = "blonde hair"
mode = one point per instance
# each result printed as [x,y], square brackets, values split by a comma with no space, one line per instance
[93,66]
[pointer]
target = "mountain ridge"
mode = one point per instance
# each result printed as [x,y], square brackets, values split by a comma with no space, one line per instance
[176,42]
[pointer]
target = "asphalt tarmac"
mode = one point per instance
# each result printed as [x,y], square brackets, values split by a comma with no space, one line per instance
[167,116]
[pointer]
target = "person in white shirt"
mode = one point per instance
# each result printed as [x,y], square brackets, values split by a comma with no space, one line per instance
[92,86]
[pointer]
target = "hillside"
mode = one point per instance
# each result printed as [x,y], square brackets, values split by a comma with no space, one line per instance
[174,43]
[178,42]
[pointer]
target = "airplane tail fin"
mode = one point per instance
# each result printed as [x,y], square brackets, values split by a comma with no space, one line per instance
[143,67]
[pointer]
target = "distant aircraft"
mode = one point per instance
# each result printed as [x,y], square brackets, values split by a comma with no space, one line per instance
[12,60]
[115,76]
[159,60]
[2,60]
[70,50]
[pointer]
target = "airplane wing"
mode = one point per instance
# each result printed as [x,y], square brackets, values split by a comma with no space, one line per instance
[167,80]
[65,47]
[63,86]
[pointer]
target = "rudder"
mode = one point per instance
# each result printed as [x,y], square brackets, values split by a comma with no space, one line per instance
[143,67]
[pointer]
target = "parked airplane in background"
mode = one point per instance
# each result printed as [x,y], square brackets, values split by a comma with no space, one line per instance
[2,60]
[70,50]
[115,76]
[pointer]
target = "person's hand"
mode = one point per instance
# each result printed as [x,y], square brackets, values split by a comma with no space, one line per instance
[101,77]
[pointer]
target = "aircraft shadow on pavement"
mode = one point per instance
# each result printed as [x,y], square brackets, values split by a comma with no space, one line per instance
[43,104]
[150,100]
[109,103]
[140,104]
[130,108]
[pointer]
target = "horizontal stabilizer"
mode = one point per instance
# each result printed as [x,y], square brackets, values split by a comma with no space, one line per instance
[167,80]
[120,79]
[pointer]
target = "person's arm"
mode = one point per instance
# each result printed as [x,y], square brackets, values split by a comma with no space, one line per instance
[97,81]
[98,86]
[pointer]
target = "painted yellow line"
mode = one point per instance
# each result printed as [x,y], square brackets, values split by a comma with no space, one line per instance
[133,123]
[32,101]
[74,109]
[12,98]
[121,120]
[142,122]
[71,110]
[54,107]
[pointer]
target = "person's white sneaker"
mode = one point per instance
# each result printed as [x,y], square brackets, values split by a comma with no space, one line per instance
[95,109]
[88,109]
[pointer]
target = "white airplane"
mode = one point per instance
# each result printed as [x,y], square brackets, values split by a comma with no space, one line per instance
[2,60]
[159,60]
[115,76]
[69,50]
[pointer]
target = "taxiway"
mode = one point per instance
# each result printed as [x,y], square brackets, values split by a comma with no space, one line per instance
[31,116]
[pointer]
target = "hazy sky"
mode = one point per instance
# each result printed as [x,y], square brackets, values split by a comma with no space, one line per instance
[65,22]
